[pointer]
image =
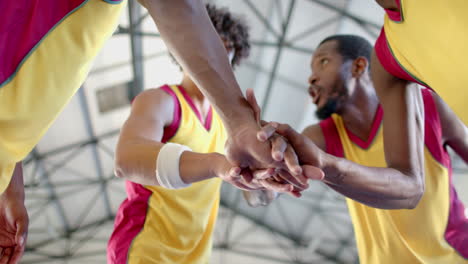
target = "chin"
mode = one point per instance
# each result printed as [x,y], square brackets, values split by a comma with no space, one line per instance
[327,110]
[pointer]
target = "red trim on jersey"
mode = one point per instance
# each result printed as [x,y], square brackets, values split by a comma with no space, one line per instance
[209,116]
[171,130]
[23,25]
[396,16]
[388,61]
[376,123]
[332,138]
[129,222]
[433,130]
[456,232]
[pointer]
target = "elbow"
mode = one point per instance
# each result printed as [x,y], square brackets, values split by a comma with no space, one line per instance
[417,192]
[121,168]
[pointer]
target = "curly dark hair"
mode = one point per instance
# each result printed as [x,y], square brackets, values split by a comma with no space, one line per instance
[232,29]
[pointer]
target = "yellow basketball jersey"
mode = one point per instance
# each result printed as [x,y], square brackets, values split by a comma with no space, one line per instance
[172,226]
[48,72]
[429,42]
[436,231]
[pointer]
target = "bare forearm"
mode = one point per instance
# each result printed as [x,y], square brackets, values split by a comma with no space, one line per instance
[371,201]
[192,39]
[377,187]
[137,162]
[16,186]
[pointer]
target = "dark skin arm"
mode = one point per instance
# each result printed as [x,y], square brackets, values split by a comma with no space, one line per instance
[315,134]
[401,184]
[210,69]
[14,219]
[185,26]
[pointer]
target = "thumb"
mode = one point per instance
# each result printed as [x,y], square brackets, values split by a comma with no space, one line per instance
[250,95]
[312,172]
[21,232]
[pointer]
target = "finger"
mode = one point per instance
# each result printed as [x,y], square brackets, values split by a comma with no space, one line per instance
[246,175]
[21,232]
[278,146]
[291,161]
[270,184]
[277,178]
[6,255]
[242,186]
[235,173]
[16,254]
[313,173]
[264,174]
[298,181]
[294,138]
[296,194]
[254,104]
[21,236]
[267,131]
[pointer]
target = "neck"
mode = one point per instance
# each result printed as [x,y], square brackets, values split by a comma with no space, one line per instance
[359,112]
[192,90]
[199,100]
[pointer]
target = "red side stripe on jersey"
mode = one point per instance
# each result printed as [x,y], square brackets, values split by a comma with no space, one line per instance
[129,222]
[456,232]
[332,138]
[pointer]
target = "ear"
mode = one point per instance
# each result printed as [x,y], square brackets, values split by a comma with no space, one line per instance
[359,67]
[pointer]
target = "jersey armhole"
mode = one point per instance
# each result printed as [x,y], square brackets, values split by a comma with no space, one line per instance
[333,144]
[171,130]
[433,130]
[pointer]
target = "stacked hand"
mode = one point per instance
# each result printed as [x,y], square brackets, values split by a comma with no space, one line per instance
[267,157]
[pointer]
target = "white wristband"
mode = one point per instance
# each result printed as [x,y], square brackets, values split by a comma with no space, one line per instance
[167,166]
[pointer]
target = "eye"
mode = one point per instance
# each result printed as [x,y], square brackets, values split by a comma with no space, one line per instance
[324,62]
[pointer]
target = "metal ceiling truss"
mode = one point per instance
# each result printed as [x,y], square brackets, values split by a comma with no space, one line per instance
[57,237]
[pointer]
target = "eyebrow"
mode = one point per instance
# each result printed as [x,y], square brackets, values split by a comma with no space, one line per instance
[317,56]
[320,54]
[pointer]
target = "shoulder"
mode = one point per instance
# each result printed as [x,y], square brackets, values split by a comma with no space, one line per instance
[155,103]
[315,133]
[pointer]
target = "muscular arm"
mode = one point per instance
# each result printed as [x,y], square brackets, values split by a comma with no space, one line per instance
[185,27]
[454,132]
[315,134]
[190,36]
[401,184]
[140,142]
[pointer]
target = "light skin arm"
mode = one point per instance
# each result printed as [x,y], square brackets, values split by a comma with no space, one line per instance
[454,132]
[140,142]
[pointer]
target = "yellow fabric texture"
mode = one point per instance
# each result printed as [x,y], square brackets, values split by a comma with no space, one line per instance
[179,223]
[429,44]
[401,236]
[48,79]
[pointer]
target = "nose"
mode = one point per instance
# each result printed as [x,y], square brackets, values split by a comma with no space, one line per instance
[313,79]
